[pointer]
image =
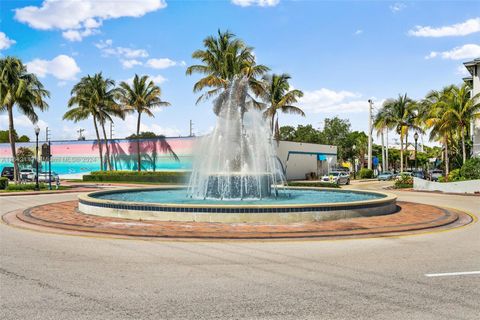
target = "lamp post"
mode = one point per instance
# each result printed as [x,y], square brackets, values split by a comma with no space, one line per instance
[415,136]
[354,164]
[37,131]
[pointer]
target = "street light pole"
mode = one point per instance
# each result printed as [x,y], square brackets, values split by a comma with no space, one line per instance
[415,136]
[354,163]
[370,103]
[37,131]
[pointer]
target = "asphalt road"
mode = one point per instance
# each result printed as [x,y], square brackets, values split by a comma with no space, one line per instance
[51,276]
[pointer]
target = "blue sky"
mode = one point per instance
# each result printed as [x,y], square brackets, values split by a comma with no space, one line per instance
[340,53]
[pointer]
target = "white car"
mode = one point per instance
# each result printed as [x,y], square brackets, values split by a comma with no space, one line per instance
[43,177]
[27,174]
[337,177]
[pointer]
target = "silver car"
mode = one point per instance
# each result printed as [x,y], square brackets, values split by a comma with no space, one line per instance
[43,177]
[337,177]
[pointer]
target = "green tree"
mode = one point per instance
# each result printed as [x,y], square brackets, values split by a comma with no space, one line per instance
[142,96]
[94,96]
[276,94]
[25,156]
[399,114]
[287,133]
[22,89]
[461,110]
[223,58]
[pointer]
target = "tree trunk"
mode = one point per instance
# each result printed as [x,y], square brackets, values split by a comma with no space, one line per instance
[383,152]
[139,160]
[447,160]
[11,137]
[406,151]
[401,152]
[272,123]
[107,148]
[464,152]
[386,150]
[100,148]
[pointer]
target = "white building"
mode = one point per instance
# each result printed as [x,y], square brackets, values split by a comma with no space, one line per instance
[299,159]
[474,68]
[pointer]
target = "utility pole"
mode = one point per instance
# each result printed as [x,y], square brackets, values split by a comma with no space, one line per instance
[111,130]
[191,128]
[80,136]
[370,103]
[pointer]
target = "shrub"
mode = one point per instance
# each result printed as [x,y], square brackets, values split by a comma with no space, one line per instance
[24,187]
[404,181]
[471,169]
[313,184]
[3,183]
[365,173]
[135,176]
[455,175]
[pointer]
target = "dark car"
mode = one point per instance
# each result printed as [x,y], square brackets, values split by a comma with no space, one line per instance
[8,172]
[418,174]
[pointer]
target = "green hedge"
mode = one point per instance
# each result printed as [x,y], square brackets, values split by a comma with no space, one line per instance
[365,173]
[314,184]
[3,183]
[135,176]
[24,186]
[471,169]
[403,182]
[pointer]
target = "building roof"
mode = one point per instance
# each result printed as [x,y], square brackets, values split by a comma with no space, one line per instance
[470,64]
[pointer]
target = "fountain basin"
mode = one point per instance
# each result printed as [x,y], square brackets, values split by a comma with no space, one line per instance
[312,205]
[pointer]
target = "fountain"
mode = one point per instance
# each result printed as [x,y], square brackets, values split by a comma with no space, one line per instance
[238,159]
[237,178]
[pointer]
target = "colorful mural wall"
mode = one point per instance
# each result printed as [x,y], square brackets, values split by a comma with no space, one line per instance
[72,158]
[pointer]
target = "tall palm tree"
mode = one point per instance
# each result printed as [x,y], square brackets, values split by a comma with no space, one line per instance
[462,109]
[433,113]
[400,114]
[142,96]
[275,92]
[223,58]
[95,96]
[23,90]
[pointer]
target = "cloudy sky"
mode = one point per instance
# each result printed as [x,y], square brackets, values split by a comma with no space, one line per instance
[339,53]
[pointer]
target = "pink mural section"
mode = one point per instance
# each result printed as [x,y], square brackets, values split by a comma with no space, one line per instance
[80,157]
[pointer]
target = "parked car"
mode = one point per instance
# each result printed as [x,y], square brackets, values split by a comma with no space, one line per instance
[27,174]
[8,172]
[404,173]
[418,174]
[337,177]
[43,177]
[386,175]
[435,174]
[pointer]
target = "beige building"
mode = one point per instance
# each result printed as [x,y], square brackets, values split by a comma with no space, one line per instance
[474,68]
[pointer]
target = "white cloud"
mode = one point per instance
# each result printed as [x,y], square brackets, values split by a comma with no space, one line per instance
[260,3]
[82,16]
[462,71]
[107,49]
[61,67]
[161,63]
[158,80]
[129,126]
[5,42]
[466,51]
[128,64]
[459,29]
[397,7]
[23,123]
[329,101]
[358,32]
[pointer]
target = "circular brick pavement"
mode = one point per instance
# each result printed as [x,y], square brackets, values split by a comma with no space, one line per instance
[411,218]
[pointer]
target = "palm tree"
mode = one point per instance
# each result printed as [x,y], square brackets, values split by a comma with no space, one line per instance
[141,97]
[223,58]
[400,114]
[462,110]
[95,96]
[275,92]
[433,113]
[24,90]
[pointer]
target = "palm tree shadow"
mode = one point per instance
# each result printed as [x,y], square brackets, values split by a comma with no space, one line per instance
[150,150]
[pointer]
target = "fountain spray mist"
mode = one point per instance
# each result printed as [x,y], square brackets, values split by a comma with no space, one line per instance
[238,159]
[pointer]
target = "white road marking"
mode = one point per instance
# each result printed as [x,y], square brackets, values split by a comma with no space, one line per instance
[451,274]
